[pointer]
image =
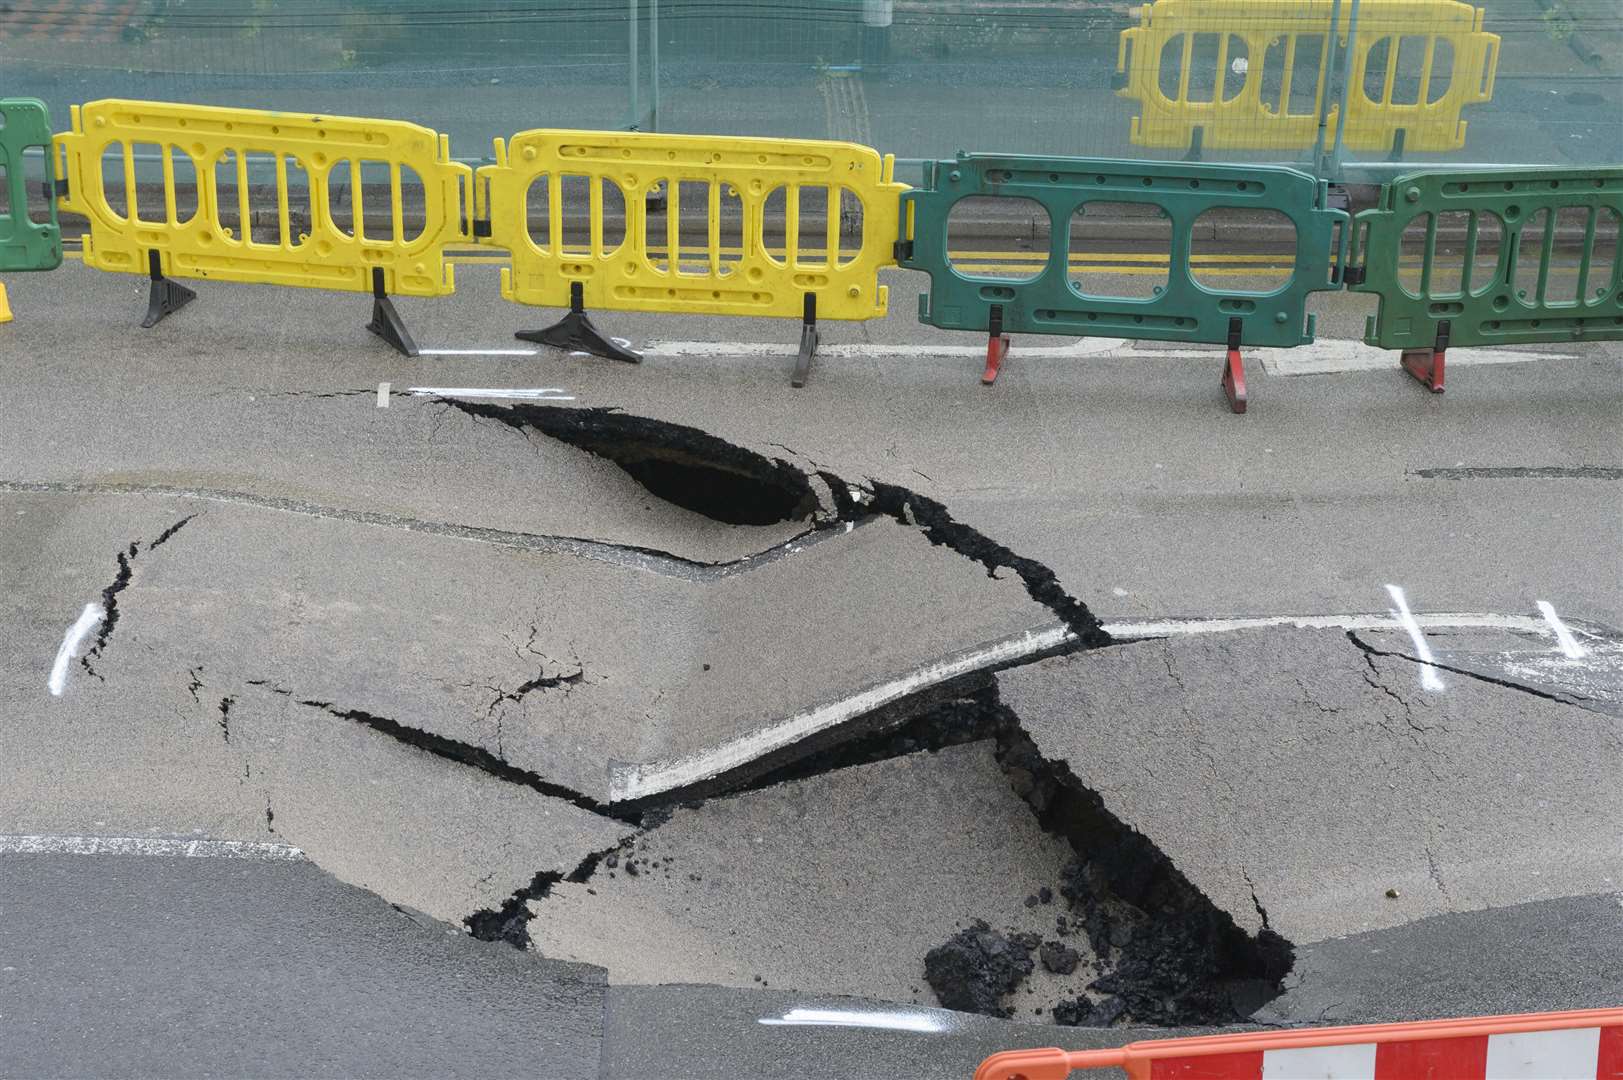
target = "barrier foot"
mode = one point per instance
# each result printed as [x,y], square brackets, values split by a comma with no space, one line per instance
[1234,369]
[575,333]
[997,346]
[5,306]
[386,322]
[808,343]
[1426,365]
[1234,380]
[165,297]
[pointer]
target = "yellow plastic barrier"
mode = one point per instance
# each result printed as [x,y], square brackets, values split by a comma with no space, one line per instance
[680,222]
[238,159]
[1273,37]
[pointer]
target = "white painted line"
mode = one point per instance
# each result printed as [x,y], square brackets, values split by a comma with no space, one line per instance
[88,619]
[478,352]
[1082,347]
[143,845]
[628,782]
[1569,644]
[1330,357]
[885,1021]
[383,395]
[494,393]
[1327,356]
[1428,674]
[1130,631]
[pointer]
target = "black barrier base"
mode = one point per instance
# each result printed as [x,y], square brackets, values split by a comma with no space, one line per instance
[808,343]
[575,332]
[165,297]
[386,322]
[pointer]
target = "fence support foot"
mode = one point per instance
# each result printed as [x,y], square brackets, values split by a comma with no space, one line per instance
[575,332]
[386,322]
[997,346]
[1234,370]
[1426,365]
[165,297]
[1234,380]
[808,342]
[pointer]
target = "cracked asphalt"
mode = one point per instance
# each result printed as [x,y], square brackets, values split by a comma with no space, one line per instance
[475,673]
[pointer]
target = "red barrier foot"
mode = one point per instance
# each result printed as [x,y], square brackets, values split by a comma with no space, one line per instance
[997,349]
[1234,380]
[1426,365]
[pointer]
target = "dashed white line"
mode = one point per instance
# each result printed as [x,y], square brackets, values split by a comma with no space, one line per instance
[478,352]
[1428,674]
[1563,637]
[496,393]
[884,1021]
[88,619]
[383,395]
[147,845]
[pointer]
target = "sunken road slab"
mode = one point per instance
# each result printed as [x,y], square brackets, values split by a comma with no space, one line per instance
[839,883]
[1288,770]
[555,664]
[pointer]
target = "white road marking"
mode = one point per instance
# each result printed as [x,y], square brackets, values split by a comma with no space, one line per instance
[88,619]
[383,395]
[1334,356]
[1569,644]
[1428,674]
[627,782]
[1082,347]
[887,1021]
[1323,357]
[495,393]
[145,845]
[478,352]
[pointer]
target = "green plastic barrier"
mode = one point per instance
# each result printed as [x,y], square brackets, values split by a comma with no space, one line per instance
[1181,310]
[1519,255]
[25,244]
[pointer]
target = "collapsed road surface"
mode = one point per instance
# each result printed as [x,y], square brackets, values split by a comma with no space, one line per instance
[695,729]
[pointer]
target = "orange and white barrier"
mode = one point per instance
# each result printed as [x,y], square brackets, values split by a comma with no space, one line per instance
[1585,1045]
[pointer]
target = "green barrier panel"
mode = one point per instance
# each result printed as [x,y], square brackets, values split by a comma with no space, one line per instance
[1519,255]
[25,244]
[1183,309]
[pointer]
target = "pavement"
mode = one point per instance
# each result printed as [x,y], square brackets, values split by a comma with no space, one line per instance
[471,668]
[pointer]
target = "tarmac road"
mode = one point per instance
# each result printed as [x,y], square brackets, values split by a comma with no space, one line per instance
[421,645]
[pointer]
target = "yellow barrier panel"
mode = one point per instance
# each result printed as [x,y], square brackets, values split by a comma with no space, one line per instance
[1272,99]
[313,234]
[688,223]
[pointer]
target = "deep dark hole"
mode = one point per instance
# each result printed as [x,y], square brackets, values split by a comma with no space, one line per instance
[719,494]
[682,465]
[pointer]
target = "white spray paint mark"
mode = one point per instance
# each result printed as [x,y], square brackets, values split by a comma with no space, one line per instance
[1428,674]
[496,393]
[1569,644]
[887,1021]
[478,352]
[88,619]
[146,845]
[383,395]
